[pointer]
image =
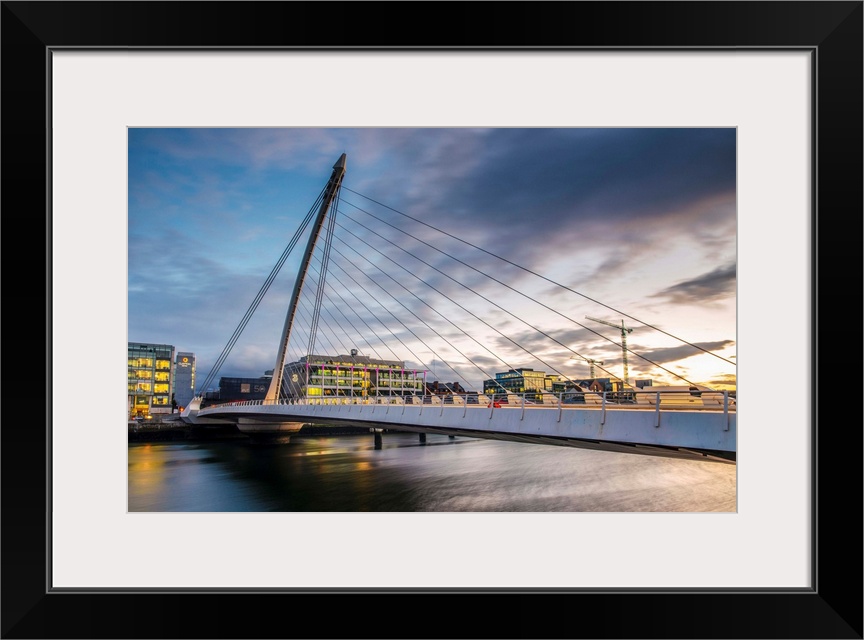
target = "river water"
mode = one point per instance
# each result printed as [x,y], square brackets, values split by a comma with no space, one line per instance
[346,473]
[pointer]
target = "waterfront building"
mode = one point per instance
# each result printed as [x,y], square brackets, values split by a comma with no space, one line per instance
[436,388]
[599,385]
[149,379]
[446,391]
[522,380]
[184,379]
[234,389]
[355,375]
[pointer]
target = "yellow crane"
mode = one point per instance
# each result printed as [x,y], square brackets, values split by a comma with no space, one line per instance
[592,363]
[624,332]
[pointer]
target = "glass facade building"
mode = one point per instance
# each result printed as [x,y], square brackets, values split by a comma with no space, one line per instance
[150,380]
[184,379]
[317,376]
[522,380]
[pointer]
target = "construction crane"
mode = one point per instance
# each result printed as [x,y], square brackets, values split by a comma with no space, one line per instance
[624,332]
[592,363]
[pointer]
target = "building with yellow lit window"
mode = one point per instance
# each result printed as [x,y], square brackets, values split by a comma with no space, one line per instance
[522,380]
[150,380]
[354,375]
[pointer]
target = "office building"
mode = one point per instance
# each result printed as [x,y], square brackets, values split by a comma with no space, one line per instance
[149,379]
[318,376]
[523,380]
[184,379]
[232,389]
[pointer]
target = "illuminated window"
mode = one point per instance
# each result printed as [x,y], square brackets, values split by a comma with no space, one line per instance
[162,376]
[160,388]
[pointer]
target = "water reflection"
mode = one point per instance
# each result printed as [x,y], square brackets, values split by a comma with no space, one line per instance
[347,474]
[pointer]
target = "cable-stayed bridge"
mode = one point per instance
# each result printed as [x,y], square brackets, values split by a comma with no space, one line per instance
[415,305]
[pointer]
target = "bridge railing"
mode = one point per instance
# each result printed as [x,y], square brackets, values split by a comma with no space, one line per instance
[636,399]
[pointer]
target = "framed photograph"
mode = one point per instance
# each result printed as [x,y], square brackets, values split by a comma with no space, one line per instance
[79,561]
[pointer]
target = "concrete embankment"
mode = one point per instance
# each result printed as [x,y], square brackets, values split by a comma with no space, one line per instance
[155,431]
[166,432]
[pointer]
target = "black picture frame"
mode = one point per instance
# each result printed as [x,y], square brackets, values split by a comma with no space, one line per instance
[831,608]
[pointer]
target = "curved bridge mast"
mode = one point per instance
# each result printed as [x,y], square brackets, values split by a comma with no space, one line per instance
[330,192]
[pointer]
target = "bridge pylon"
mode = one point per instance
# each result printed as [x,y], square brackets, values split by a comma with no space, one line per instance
[330,193]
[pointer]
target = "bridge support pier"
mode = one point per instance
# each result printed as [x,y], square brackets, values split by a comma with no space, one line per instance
[452,437]
[378,439]
[422,438]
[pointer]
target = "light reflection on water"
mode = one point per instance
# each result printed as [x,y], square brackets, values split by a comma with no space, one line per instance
[347,474]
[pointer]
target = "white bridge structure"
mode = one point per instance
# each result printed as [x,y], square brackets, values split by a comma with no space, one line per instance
[689,421]
[678,428]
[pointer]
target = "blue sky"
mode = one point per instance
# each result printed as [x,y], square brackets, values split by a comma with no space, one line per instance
[614,223]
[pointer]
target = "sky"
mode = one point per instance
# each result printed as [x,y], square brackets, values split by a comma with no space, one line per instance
[462,252]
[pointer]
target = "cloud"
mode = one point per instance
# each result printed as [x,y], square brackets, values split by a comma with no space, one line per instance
[714,285]
[673,354]
[598,210]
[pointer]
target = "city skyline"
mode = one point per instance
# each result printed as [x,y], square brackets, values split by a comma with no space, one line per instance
[617,224]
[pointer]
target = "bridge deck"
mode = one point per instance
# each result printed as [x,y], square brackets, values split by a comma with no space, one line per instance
[674,429]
